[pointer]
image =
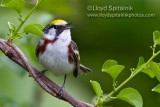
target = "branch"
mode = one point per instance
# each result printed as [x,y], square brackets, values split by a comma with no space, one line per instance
[16,55]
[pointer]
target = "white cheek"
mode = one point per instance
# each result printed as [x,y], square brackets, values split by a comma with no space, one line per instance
[52,31]
[50,35]
[65,35]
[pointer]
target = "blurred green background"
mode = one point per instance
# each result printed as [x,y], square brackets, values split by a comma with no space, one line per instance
[98,39]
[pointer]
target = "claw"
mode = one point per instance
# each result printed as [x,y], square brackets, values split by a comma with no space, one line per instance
[60,92]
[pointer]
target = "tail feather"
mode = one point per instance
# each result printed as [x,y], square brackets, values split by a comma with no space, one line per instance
[85,69]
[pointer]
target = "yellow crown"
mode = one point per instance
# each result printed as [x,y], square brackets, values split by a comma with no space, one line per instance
[57,21]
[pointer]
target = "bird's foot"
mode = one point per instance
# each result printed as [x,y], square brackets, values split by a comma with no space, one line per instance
[60,92]
[40,74]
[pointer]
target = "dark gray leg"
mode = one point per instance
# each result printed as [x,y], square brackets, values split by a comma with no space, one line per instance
[62,88]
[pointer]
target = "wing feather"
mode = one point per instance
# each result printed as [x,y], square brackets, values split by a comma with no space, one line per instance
[76,59]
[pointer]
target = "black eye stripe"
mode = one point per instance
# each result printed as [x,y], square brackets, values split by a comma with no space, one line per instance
[59,30]
[54,26]
[45,30]
[57,26]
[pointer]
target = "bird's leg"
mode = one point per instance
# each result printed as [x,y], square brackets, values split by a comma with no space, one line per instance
[60,92]
[40,74]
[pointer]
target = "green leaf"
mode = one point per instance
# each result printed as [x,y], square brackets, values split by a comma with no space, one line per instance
[156,37]
[155,69]
[11,26]
[34,29]
[100,101]
[108,64]
[12,29]
[114,71]
[157,88]
[112,68]
[14,4]
[148,72]
[158,64]
[140,62]
[131,96]
[97,88]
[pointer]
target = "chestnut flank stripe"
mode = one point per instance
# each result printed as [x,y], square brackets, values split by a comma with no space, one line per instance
[70,51]
[42,48]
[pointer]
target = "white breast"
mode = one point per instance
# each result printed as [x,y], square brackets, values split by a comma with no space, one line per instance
[55,57]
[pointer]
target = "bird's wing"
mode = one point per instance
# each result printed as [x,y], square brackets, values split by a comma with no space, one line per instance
[76,58]
[79,68]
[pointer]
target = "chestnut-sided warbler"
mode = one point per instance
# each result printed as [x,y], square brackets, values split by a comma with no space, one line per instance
[58,53]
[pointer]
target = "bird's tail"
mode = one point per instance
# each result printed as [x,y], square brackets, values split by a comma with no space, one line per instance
[84,69]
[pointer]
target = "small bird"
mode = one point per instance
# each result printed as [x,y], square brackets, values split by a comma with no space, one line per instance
[58,53]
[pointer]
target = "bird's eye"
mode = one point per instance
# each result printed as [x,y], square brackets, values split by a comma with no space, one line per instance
[55,27]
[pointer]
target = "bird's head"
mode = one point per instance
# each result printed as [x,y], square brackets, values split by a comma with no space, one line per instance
[56,28]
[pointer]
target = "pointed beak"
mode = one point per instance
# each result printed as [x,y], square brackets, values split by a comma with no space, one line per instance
[68,26]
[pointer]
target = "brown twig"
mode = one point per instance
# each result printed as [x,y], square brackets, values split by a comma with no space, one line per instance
[49,86]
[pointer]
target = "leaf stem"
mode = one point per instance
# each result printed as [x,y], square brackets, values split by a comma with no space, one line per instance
[133,75]
[22,22]
[154,47]
[114,85]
